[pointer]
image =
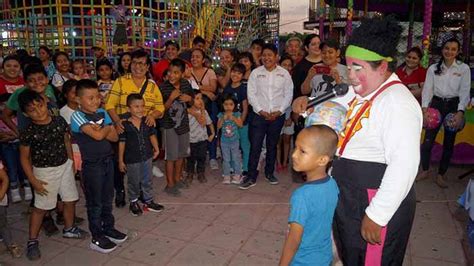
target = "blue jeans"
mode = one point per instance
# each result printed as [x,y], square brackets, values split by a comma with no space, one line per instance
[231,154]
[140,173]
[258,129]
[245,146]
[99,191]
[11,159]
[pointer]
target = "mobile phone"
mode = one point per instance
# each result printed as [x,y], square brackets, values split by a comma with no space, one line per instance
[323,70]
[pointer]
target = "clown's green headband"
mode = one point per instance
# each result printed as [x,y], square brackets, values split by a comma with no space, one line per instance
[364,54]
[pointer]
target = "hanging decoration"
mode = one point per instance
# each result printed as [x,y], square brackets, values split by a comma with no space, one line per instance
[332,11]
[322,14]
[350,11]
[426,32]
[410,25]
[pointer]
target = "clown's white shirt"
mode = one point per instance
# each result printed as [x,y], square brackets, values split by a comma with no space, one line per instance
[390,135]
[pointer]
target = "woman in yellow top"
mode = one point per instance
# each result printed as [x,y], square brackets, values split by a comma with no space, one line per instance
[116,103]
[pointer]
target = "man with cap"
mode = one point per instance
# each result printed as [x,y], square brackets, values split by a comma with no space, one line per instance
[378,153]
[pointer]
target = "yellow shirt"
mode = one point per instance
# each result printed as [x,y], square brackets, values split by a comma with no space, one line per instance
[124,86]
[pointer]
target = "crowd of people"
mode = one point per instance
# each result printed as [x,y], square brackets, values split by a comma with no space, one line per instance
[62,122]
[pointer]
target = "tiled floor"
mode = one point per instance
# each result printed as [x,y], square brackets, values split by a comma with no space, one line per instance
[215,224]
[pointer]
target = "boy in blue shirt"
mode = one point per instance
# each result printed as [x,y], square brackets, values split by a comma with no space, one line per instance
[93,130]
[312,205]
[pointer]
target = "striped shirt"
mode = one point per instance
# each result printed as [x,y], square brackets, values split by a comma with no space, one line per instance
[177,115]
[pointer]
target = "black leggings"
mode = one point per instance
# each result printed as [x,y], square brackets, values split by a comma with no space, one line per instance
[444,107]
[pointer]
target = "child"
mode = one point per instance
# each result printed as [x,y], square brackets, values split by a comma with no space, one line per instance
[309,238]
[230,122]
[78,70]
[46,157]
[15,250]
[93,130]
[177,92]
[69,91]
[138,147]
[199,120]
[288,129]
[11,157]
[238,89]
[104,78]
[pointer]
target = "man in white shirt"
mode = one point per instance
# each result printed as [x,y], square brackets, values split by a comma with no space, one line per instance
[269,92]
[378,152]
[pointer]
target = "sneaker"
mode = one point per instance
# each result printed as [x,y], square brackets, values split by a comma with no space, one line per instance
[236,179]
[157,172]
[15,250]
[75,233]
[172,191]
[49,227]
[213,164]
[16,197]
[422,175]
[120,199]
[226,180]
[116,236]
[248,183]
[153,207]
[201,178]
[28,194]
[135,209]
[33,252]
[272,179]
[102,245]
[441,182]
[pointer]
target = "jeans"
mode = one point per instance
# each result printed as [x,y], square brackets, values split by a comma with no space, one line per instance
[245,146]
[118,176]
[99,191]
[197,159]
[260,128]
[140,173]
[11,159]
[231,154]
[444,107]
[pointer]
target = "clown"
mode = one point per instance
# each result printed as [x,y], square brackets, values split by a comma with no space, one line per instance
[378,152]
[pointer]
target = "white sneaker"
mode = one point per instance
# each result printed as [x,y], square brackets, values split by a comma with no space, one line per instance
[28,194]
[226,180]
[236,179]
[213,164]
[15,192]
[157,172]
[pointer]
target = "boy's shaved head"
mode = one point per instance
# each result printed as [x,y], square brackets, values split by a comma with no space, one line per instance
[324,139]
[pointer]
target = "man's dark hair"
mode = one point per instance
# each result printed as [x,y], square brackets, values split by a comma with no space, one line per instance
[85,84]
[380,35]
[173,43]
[133,97]
[141,54]
[239,68]
[198,39]
[27,97]
[34,69]
[178,63]
[271,47]
[259,42]
[331,43]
